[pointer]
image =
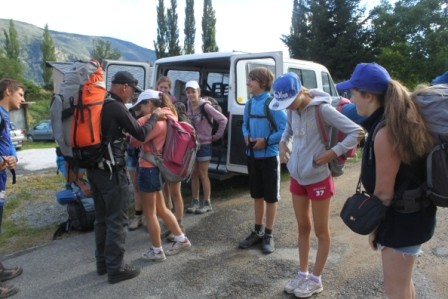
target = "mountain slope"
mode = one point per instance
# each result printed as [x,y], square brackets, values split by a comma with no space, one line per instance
[69,47]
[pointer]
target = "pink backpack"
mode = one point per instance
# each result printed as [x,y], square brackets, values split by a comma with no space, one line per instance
[179,152]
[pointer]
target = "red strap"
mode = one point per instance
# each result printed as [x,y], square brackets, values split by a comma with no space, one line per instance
[321,125]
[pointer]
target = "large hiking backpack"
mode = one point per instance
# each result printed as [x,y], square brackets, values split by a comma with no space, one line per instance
[63,102]
[434,107]
[331,136]
[176,161]
[86,126]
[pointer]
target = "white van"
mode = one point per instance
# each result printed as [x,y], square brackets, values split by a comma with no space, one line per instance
[224,76]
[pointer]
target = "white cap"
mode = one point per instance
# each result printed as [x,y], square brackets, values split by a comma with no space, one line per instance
[146,95]
[192,84]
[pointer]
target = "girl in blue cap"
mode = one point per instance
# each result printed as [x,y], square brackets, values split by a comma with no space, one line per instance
[311,183]
[393,155]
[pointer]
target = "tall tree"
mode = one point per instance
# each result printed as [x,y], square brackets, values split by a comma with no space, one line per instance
[102,49]
[189,28]
[160,46]
[331,32]
[48,54]
[173,30]
[209,28]
[298,40]
[11,66]
[12,48]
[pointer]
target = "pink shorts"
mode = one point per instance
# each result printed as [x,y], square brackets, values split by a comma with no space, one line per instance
[317,191]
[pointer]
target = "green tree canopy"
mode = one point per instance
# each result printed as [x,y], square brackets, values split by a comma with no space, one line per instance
[330,32]
[411,39]
[103,50]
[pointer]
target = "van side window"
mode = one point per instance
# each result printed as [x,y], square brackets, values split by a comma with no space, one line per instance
[327,84]
[307,77]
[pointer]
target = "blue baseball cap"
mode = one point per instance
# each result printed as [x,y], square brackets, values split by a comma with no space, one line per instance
[367,77]
[442,79]
[285,88]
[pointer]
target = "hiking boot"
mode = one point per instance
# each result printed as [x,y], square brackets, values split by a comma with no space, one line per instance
[7,290]
[267,244]
[9,273]
[151,255]
[194,205]
[179,247]
[308,288]
[204,207]
[127,272]
[171,236]
[251,240]
[295,283]
[101,268]
[136,222]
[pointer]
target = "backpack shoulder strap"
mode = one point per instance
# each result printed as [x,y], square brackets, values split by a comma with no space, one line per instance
[267,113]
[324,135]
[205,114]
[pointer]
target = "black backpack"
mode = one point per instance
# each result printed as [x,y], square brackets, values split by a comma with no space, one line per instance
[80,210]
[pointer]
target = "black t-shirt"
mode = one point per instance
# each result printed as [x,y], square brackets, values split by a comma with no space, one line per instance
[115,121]
[397,229]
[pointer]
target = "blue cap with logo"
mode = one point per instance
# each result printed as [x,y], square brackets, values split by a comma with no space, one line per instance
[285,88]
[442,79]
[367,77]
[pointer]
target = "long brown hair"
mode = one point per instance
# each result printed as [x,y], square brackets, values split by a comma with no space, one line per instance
[164,100]
[410,137]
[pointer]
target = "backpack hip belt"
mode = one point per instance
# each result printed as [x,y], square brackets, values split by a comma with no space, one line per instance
[411,201]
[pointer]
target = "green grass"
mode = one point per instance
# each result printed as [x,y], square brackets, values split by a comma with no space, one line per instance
[38,145]
[16,233]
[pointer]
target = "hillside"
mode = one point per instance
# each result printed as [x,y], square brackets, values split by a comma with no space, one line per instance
[69,47]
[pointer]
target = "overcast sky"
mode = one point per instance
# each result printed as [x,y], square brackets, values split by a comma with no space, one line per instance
[243,25]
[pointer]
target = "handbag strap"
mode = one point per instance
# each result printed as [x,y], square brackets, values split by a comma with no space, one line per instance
[358,186]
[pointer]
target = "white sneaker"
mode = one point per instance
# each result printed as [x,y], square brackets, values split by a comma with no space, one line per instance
[136,222]
[295,283]
[308,288]
[151,255]
[179,247]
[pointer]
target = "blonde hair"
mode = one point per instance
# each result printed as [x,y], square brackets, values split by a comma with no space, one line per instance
[409,133]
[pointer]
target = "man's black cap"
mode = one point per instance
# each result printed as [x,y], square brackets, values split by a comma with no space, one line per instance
[124,77]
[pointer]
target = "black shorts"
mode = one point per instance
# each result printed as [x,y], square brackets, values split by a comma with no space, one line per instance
[264,178]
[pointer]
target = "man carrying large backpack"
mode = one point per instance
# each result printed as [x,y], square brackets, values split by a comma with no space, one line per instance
[109,181]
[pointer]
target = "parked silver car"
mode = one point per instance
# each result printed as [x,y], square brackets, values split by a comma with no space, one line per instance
[41,132]
[17,136]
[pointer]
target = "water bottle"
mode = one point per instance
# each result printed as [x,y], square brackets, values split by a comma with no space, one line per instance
[2,202]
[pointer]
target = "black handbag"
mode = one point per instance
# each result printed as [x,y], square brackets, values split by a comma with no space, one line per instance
[361,212]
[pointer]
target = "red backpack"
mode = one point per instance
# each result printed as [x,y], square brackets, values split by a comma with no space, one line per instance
[331,136]
[86,125]
[179,152]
